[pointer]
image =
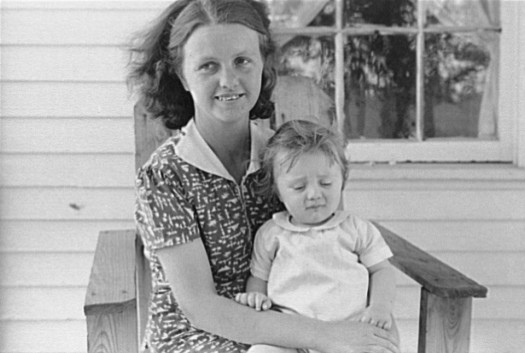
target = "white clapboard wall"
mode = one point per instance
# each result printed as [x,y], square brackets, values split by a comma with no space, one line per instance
[67,168]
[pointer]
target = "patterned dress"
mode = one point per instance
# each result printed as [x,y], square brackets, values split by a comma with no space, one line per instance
[185,193]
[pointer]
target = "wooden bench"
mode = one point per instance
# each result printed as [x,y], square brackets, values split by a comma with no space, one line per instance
[119,285]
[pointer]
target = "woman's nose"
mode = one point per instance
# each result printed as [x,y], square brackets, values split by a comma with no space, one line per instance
[228,78]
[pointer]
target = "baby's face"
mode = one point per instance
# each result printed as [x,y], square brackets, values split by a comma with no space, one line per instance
[311,189]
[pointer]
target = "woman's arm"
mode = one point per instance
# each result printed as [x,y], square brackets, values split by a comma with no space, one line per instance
[188,272]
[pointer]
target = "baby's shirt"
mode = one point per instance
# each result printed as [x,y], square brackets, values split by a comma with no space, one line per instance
[320,271]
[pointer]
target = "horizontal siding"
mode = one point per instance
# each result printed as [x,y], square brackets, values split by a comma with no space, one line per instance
[70,26]
[63,336]
[469,204]
[87,64]
[487,336]
[68,170]
[65,99]
[82,135]
[60,236]
[66,204]
[474,235]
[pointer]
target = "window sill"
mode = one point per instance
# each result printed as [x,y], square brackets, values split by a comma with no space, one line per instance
[482,172]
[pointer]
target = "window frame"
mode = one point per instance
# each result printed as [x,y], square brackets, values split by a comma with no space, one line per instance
[509,145]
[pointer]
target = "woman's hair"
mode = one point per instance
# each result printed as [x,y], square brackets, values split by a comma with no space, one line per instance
[157,55]
[294,139]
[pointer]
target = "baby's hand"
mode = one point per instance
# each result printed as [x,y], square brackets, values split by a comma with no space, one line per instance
[378,316]
[255,300]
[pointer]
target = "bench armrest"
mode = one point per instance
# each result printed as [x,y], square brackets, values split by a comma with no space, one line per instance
[111,285]
[432,274]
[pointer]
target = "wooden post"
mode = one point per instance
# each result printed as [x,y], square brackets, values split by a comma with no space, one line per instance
[114,331]
[111,305]
[444,324]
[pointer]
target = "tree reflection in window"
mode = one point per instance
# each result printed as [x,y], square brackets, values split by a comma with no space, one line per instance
[381,79]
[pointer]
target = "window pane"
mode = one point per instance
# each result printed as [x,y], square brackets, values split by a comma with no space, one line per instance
[301,13]
[379,86]
[457,85]
[397,13]
[306,73]
[456,13]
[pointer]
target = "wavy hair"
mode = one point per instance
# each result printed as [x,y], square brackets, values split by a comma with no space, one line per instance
[156,56]
[293,139]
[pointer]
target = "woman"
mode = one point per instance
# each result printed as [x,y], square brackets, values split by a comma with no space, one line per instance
[205,67]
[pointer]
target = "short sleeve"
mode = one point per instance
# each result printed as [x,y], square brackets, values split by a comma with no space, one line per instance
[164,213]
[370,245]
[264,248]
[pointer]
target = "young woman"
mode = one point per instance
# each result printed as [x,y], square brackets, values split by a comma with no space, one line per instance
[203,67]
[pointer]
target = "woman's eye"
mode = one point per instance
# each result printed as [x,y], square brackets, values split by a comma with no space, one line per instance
[242,61]
[208,67]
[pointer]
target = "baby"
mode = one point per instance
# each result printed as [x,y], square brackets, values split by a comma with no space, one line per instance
[315,259]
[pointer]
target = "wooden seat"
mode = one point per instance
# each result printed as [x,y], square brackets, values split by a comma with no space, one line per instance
[119,285]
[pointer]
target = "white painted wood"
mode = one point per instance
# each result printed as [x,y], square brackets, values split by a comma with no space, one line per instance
[474,235]
[100,5]
[391,204]
[70,26]
[66,99]
[39,303]
[83,135]
[79,170]
[45,269]
[67,204]
[487,336]
[61,236]
[71,63]
[520,123]
[43,336]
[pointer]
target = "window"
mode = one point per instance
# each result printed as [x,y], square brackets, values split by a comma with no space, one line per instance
[404,80]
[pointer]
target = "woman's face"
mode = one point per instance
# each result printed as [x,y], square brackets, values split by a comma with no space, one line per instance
[222,69]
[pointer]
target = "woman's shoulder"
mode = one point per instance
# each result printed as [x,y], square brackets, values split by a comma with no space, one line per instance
[165,160]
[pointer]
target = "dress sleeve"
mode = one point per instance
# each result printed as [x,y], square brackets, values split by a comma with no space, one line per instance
[164,213]
[264,248]
[370,245]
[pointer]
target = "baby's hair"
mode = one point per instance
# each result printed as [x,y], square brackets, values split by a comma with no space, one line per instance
[294,139]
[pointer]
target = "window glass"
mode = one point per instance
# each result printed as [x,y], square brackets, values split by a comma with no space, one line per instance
[392,70]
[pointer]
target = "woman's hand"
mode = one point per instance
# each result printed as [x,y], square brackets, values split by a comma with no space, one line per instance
[255,300]
[358,337]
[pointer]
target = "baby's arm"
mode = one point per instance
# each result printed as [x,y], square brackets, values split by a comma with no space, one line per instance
[255,296]
[382,295]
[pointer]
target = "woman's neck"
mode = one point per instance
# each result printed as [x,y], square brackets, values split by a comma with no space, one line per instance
[231,143]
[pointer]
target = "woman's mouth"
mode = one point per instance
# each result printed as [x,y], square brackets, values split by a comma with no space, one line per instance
[229,97]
